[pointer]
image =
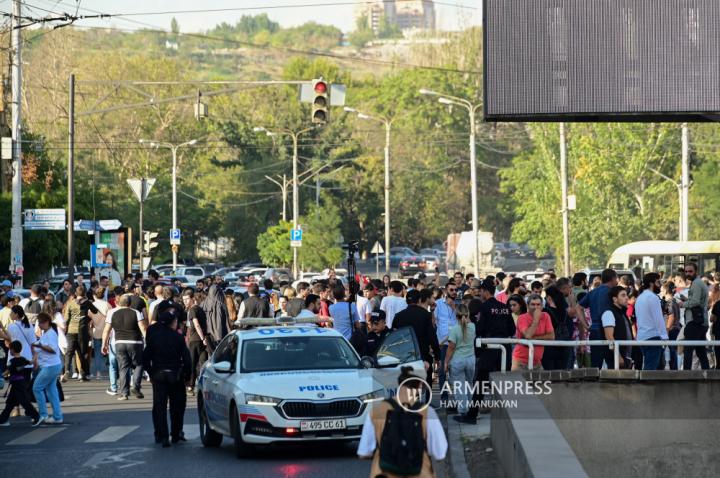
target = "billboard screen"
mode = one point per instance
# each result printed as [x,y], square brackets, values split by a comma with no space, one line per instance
[601,60]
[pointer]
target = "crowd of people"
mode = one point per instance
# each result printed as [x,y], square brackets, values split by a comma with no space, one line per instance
[102,332]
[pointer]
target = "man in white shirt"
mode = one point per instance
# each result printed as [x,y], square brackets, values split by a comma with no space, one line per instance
[650,320]
[312,307]
[364,303]
[35,292]
[394,302]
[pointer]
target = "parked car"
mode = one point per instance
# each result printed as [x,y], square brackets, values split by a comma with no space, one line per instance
[193,273]
[431,262]
[223,271]
[410,265]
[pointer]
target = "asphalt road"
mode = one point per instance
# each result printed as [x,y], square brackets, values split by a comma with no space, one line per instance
[105,438]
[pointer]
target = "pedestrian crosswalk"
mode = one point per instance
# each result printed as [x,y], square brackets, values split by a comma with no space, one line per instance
[24,436]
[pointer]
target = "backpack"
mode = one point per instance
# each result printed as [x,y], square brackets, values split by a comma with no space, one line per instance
[402,443]
[32,309]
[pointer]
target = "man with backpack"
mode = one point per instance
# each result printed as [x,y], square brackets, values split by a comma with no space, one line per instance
[401,437]
[33,304]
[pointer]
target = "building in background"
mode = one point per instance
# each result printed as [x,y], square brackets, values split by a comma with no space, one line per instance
[406,15]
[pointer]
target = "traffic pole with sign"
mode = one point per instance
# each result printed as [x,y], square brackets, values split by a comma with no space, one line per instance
[175,242]
[141,187]
[377,250]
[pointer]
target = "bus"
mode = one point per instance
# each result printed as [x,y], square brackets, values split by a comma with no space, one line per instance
[666,257]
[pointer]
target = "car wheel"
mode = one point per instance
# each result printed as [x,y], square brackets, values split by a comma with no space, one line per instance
[242,449]
[208,436]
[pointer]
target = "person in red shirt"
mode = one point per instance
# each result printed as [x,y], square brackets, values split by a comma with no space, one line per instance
[536,324]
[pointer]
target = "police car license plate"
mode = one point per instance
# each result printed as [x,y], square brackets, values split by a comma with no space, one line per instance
[319,425]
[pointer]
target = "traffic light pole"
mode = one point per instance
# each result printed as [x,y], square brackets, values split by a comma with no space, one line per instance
[142,236]
[71,184]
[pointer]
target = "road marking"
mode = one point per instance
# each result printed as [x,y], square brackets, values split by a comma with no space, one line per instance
[112,434]
[113,458]
[191,431]
[36,436]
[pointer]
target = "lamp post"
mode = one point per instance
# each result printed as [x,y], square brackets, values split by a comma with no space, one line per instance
[387,122]
[296,201]
[472,109]
[174,148]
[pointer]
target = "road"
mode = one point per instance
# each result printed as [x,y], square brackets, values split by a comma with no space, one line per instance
[104,437]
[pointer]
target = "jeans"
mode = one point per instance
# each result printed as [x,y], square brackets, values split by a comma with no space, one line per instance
[198,356]
[129,357]
[99,365]
[673,335]
[462,373]
[441,370]
[651,356]
[46,386]
[694,331]
[598,353]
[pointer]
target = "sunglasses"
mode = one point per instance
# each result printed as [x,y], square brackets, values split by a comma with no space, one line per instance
[452,290]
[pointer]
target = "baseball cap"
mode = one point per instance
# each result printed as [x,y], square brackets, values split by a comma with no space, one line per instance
[377,316]
[6,283]
[10,294]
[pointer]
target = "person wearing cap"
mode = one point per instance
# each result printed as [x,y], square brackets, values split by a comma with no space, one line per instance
[378,331]
[167,359]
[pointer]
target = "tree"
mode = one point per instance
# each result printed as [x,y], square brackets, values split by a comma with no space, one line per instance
[174,26]
[321,238]
[274,245]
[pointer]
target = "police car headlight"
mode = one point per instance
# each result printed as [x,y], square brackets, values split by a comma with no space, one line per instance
[251,399]
[376,396]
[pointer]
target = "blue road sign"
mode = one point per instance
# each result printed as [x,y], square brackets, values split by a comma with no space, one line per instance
[174,233]
[296,235]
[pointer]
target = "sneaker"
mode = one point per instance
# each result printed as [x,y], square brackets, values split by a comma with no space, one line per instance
[75,375]
[122,397]
[138,394]
[64,377]
[111,392]
[84,378]
[39,421]
[52,421]
[5,424]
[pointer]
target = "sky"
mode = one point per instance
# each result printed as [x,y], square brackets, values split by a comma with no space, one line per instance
[452,15]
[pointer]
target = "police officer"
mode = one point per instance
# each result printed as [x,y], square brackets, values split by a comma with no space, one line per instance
[167,359]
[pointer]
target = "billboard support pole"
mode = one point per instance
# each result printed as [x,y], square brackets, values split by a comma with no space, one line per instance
[564,194]
[685,183]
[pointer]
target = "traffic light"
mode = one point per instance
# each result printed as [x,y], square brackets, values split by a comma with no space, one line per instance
[320,101]
[148,244]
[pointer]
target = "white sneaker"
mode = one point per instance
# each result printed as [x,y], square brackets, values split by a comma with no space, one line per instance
[39,421]
[5,424]
[52,421]
[75,375]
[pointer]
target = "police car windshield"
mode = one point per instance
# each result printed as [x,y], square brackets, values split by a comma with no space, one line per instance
[297,353]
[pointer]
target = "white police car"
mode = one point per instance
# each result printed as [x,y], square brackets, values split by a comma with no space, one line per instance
[294,383]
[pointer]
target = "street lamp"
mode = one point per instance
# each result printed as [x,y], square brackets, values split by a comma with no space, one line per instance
[472,109]
[296,202]
[174,148]
[387,122]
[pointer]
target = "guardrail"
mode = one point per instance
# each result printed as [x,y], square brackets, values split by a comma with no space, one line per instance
[497,343]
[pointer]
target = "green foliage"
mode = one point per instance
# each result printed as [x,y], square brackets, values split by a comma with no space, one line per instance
[321,237]
[274,245]
[174,26]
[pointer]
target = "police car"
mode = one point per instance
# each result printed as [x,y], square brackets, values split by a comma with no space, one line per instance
[295,382]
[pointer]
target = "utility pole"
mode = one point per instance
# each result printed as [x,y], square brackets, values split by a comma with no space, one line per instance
[564,199]
[71,183]
[685,183]
[284,190]
[143,182]
[16,232]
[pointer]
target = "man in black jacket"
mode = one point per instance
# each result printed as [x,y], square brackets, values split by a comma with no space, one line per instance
[167,360]
[494,320]
[254,306]
[419,318]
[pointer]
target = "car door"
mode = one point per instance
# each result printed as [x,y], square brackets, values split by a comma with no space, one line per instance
[399,348]
[227,382]
[216,402]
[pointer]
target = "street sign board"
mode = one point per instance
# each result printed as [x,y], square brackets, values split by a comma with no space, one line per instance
[296,237]
[141,187]
[44,219]
[175,236]
[377,248]
[102,225]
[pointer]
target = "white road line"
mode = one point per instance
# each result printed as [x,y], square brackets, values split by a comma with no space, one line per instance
[112,434]
[36,436]
[191,432]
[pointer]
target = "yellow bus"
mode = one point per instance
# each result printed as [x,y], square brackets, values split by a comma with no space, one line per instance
[666,256]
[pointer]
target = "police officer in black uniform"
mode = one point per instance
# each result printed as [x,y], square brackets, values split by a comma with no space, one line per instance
[167,360]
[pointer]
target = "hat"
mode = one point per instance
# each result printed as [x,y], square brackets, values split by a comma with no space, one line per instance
[10,294]
[6,283]
[377,316]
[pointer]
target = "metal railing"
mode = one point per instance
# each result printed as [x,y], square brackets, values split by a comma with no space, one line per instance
[497,343]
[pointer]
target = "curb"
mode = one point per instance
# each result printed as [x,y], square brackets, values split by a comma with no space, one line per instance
[457,450]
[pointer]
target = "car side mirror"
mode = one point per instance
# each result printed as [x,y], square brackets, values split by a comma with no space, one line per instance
[368,362]
[223,367]
[387,361]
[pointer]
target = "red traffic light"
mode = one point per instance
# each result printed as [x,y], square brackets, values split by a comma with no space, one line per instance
[320,87]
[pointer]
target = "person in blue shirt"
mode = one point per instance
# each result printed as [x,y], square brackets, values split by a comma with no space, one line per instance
[343,322]
[598,300]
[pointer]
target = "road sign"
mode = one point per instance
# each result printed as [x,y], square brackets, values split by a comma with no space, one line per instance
[296,237]
[102,225]
[377,248]
[141,187]
[44,219]
[175,236]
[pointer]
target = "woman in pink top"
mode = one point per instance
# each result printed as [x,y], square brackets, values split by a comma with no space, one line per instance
[536,324]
